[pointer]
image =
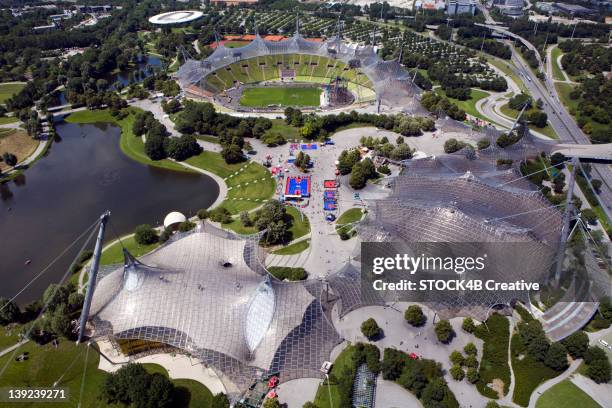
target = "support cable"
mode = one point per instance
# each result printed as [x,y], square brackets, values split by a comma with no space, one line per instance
[46,305]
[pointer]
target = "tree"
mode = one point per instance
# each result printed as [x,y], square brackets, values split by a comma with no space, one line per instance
[75,301]
[309,404]
[220,400]
[599,371]
[358,179]
[538,347]
[492,404]
[471,361]
[9,158]
[60,322]
[154,147]
[472,375]
[145,235]
[232,154]
[470,349]
[245,219]
[202,213]
[55,295]
[415,316]
[468,325]
[457,372]
[271,403]
[452,145]
[182,148]
[9,311]
[444,331]
[556,357]
[132,385]
[589,216]
[456,358]
[370,329]
[220,214]
[483,144]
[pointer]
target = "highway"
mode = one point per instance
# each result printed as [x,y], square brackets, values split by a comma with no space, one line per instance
[561,121]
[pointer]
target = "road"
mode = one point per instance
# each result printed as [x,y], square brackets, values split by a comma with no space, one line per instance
[561,121]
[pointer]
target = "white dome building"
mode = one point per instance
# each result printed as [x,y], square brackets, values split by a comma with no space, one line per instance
[173,219]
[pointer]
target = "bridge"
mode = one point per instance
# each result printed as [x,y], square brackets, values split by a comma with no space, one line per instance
[508,33]
[599,152]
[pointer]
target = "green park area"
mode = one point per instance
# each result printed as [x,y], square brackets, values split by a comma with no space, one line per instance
[512,113]
[290,96]
[67,363]
[564,90]
[342,364]
[113,254]
[349,216]
[469,106]
[528,372]
[556,68]
[565,395]
[9,89]
[293,249]
[300,225]
[505,67]
[494,368]
[7,119]
[235,44]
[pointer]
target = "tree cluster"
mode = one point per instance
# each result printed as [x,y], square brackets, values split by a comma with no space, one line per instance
[422,377]
[437,104]
[537,345]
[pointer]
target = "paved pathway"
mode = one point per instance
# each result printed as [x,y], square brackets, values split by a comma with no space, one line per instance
[13,347]
[546,385]
[42,145]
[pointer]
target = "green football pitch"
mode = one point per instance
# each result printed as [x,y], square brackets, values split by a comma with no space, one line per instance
[262,97]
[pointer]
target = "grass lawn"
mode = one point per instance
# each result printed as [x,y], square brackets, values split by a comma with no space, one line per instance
[46,364]
[565,395]
[494,363]
[342,363]
[235,44]
[114,253]
[349,216]
[504,66]
[190,393]
[262,97]
[290,133]
[293,248]
[468,106]
[250,184]
[130,145]
[8,90]
[208,138]
[528,372]
[7,119]
[556,69]
[17,142]
[564,90]
[300,225]
[237,226]
[547,130]
[9,337]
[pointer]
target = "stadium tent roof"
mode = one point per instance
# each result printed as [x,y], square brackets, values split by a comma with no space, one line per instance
[175,17]
[174,217]
[392,83]
[462,208]
[206,292]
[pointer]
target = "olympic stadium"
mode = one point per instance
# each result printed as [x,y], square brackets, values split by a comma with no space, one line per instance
[344,75]
[175,17]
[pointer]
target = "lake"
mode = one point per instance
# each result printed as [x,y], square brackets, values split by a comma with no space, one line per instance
[84,174]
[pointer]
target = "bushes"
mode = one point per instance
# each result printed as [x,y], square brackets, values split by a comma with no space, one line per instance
[145,235]
[453,145]
[414,315]
[444,331]
[468,325]
[186,226]
[576,344]
[220,214]
[202,213]
[132,384]
[483,144]
[9,311]
[494,363]
[285,272]
[457,373]
[422,377]
[598,365]
[370,329]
